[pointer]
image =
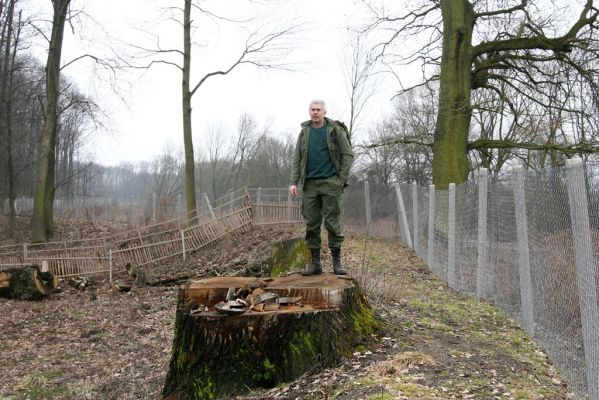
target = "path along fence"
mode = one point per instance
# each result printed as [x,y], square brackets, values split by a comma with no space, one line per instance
[528,244]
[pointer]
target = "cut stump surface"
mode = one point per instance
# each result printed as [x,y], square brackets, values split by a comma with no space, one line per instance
[287,326]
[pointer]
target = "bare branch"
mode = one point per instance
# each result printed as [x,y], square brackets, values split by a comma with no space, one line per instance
[580,148]
[519,7]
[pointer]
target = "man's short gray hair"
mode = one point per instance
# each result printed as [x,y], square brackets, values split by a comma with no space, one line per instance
[319,101]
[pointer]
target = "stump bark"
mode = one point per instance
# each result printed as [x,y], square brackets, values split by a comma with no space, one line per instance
[27,283]
[216,355]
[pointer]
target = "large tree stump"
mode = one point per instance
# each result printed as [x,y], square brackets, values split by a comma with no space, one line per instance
[27,283]
[316,322]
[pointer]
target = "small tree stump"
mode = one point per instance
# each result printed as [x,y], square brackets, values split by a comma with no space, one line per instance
[214,355]
[27,283]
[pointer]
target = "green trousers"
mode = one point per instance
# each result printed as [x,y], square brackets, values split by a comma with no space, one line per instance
[322,201]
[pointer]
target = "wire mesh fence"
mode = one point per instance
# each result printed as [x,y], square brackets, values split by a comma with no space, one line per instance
[528,245]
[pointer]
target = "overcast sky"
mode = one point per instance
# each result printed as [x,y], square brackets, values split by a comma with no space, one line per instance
[149,119]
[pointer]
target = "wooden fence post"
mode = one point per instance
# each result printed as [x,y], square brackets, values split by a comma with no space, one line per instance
[110,265]
[209,207]
[154,207]
[183,244]
[179,208]
[289,206]
[259,209]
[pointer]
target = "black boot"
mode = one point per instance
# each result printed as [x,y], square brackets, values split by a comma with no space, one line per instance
[314,268]
[337,267]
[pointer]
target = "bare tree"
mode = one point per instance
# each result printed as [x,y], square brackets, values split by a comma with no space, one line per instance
[261,49]
[167,182]
[361,85]
[42,224]
[401,146]
[10,40]
[488,45]
[271,163]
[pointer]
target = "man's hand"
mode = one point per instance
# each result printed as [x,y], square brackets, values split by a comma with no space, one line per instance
[293,190]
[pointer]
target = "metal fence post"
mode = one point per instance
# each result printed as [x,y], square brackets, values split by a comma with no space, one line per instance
[416,234]
[431,228]
[25,253]
[526,295]
[183,245]
[482,260]
[367,202]
[451,238]
[403,220]
[586,272]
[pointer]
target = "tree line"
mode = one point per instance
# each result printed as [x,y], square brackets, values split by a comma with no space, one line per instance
[24,112]
[503,82]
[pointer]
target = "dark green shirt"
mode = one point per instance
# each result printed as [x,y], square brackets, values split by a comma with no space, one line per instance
[319,158]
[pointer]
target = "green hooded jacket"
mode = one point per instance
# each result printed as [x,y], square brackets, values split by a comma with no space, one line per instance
[340,150]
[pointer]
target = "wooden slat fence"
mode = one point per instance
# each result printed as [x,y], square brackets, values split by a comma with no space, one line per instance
[275,206]
[147,245]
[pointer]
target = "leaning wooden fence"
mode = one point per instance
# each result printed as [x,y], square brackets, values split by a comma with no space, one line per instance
[150,244]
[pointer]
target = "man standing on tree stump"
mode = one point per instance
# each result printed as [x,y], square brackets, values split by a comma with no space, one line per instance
[323,158]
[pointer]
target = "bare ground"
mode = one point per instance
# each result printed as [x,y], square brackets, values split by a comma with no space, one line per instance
[436,344]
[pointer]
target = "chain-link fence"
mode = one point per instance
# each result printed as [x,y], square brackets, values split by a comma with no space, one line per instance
[528,245]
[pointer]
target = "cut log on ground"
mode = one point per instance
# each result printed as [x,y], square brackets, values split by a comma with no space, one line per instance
[27,283]
[285,327]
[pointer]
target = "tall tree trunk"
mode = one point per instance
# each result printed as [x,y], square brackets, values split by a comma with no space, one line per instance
[450,159]
[7,71]
[190,192]
[70,172]
[42,224]
[3,177]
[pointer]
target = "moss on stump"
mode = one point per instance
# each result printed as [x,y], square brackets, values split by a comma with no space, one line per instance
[289,255]
[217,355]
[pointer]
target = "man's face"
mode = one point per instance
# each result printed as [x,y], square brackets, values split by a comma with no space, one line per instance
[317,113]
